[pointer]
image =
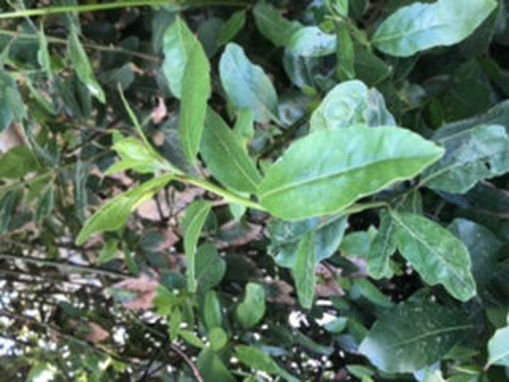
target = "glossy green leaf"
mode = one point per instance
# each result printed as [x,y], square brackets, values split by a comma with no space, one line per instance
[218,339]
[12,107]
[310,41]
[382,248]
[178,43]
[299,185]
[437,255]
[252,309]
[210,267]
[231,27]
[272,25]
[196,90]
[220,142]
[424,333]
[422,26]
[83,67]
[17,162]
[475,154]
[304,272]
[247,85]
[192,226]
[285,238]
[113,215]
[498,348]
[350,103]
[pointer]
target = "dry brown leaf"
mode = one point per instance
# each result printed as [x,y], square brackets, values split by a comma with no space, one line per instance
[145,290]
[96,333]
[280,292]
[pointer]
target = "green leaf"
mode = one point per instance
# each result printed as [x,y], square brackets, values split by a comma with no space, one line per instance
[312,42]
[382,248]
[252,309]
[17,162]
[231,27]
[218,339]
[369,68]
[345,53]
[244,126]
[192,225]
[108,252]
[138,156]
[481,152]
[350,103]
[45,204]
[422,26]
[424,333]
[247,85]
[211,366]
[220,142]
[299,186]
[196,90]
[210,267]
[285,238]
[212,310]
[191,338]
[437,255]
[12,107]
[113,215]
[304,272]
[272,25]
[178,43]
[498,348]
[83,67]
[256,359]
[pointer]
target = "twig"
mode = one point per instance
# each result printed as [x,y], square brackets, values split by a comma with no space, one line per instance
[190,363]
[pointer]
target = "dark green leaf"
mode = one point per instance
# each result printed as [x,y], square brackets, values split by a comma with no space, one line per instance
[272,25]
[17,162]
[210,267]
[304,272]
[231,27]
[12,107]
[382,248]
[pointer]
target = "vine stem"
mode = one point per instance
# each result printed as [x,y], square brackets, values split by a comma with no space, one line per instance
[116,5]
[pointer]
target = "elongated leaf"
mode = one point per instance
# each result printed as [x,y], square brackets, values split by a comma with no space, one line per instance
[285,238]
[312,42]
[345,53]
[195,94]
[272,25]
[83,67]
[210,267]
[437,255]
[247,85]
[231,27]
[498,348]
[252,309]
[177,46]
[315,178]
[258,360]
[304,271]
[421,26]
[192,225]
[424,333]
[382,248]
[212,310]
[475,154]
[12,108]
[223,152]
[350,103]
[113,215]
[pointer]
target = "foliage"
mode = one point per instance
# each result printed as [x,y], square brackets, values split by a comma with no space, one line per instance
[254,190]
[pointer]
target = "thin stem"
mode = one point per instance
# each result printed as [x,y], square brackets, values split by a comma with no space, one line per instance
[116,5]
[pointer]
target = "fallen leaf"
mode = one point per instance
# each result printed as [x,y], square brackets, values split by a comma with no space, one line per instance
[96,333]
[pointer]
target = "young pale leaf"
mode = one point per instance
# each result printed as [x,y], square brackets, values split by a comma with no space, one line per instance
[195,94]
[436,254]
[83,67]
[382,248]
[12,107]
[244,126]
[231,27]
[114,214]
[220,142]
[498,348]
[475,154]
[247,85]
[424,333]
[17,162]
[312,42]
[192,225]
[422,26]
[315,178]
[252,309]
[210,267]
[304,272]
[272,25]
[350,103]
[177,46]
